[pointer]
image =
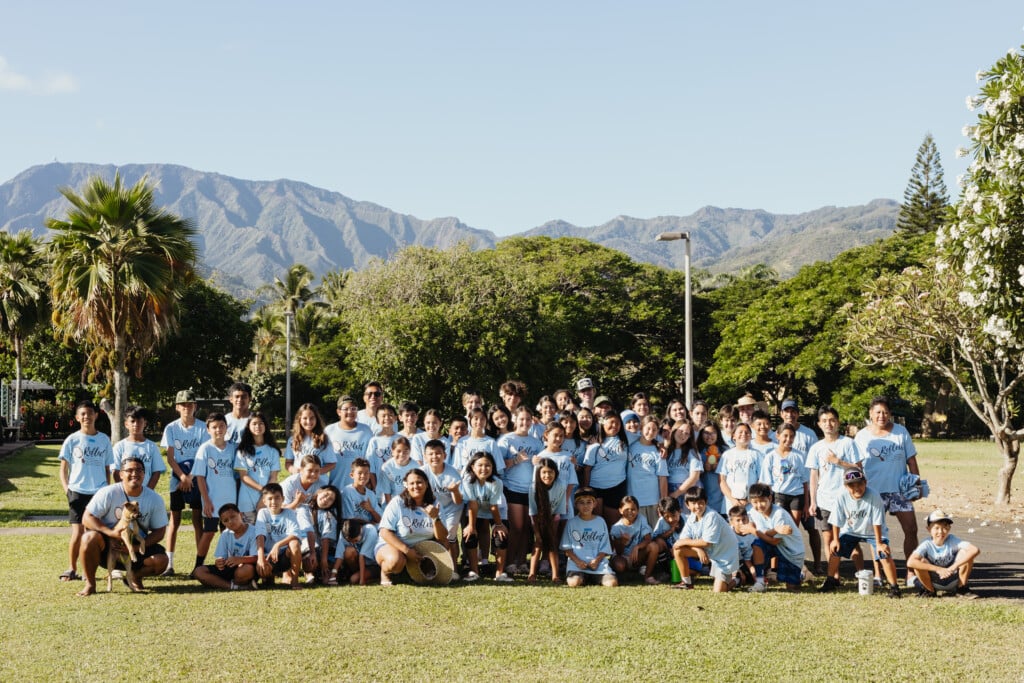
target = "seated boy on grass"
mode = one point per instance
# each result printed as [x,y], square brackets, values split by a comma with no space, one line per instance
[278,528]
[859,516]
[235,555]
[707,537]
[778,537]
[943,562]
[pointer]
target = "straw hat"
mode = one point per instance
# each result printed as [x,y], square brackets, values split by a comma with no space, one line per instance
[435,568]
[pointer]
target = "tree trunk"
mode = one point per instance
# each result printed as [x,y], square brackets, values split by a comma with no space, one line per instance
[1009,450]
[120,389]
[16,418]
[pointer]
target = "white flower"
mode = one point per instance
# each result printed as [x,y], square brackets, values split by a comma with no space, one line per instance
[967,131]
[978,77]
[972,103]
[961,152]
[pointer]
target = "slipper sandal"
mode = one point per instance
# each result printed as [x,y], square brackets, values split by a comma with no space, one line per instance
[70,575]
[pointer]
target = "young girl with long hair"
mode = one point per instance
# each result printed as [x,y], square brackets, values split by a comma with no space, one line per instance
[547,496]
[308,438]
[604,468]
[482,492]
[682,458]
[257,462]
[519,449]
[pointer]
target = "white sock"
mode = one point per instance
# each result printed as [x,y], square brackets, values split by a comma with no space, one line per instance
[170,559]
[758,580]
[687,580]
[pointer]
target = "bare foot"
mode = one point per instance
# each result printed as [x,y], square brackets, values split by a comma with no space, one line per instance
[532,578]
[89,589]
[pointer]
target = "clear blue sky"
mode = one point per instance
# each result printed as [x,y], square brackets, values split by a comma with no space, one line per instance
[508,115]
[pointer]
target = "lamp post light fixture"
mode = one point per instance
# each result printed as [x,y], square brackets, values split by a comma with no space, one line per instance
[672,237]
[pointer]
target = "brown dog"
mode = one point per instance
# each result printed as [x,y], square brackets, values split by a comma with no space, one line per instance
[129,533]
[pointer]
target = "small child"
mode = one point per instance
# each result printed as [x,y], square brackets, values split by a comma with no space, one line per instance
[708,538]
[546,498]
[360,540]
[235,555]
[393,471]
[326,513]
[357,500]
[751,560]
[783,469]
[447,486]
[586,543]
[482,492]
[277,526]
[738,468]
[859,516]
[630,537]
[647,474]
[777,537]
[378,450]
[663,537]
[214,471]
[943,562]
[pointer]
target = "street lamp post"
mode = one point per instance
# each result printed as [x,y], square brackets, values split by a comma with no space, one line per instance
[288,315]
[672,237]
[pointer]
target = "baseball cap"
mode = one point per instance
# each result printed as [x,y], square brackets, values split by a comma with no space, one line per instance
[585,383]
[185,396]
[789,403]
[602,399]
[628,416]
[853,476]
[937,516]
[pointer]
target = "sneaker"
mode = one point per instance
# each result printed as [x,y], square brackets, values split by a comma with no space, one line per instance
[758,588]
[683,586]
[966,593]
[894,591]
[878,582]
[332,580]
[470,576]
[235,586]
[651,581]
[503,578]
[829,585]
[116,574]
[455,576]
[385,580]
[168,572]
[912,581]
[512,569]
[923,592]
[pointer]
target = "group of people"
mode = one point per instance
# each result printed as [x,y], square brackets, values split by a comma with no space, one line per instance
[576,489]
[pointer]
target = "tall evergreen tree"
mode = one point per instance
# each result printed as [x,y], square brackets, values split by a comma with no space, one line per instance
[925,201]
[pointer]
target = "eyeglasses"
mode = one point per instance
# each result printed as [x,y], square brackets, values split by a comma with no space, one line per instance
[134,470]
[371,394]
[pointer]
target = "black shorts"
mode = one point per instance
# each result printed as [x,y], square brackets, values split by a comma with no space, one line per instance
[821,519]
[76,506]
[178,502]
[150,551]
[212,524]
[516,498]
[284,562]
[612,497]
[790,503]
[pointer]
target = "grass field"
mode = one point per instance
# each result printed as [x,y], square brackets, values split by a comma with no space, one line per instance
[177,630]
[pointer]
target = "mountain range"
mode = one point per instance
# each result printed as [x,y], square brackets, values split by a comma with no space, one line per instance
[251,231]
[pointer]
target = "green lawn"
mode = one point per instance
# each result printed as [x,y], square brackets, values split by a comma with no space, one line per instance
[484,631]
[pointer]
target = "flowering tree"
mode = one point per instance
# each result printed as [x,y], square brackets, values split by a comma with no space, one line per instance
[984,241]
[918,316]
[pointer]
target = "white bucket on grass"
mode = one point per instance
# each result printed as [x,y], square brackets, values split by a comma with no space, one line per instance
[865,581]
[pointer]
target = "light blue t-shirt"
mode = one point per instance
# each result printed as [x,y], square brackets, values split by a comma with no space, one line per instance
[236,425]
[218,467]
[633,533]
[486,493]
[147,451]
[803,439]
[786,475]
[392,476]
[378,449]
[791,546]
[711,484]
[185,441]
[468,445]
[324,453]
[646,469]
[830,477]
[412,525]
[106,506]
[88,458]
[367,544]
[419,442]
[741,468]
[275,528]
[681,464]
[352,500]
[723,550]
[588,538]
[259,467]
[292,486]
[440,484]
[229,545]
[746,545]
[519,477]
[567,475]
[348,444]
[556,497]
[885,457]
[665,532]
[326,527]
[940,555]
[608,461]
[858,517]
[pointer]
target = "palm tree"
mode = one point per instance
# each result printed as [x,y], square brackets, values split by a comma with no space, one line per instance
[22,296]
[119,267]
[269,325]
[292,293]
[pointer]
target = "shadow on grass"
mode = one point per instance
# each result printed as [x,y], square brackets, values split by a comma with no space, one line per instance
[6,486]
[999,580]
